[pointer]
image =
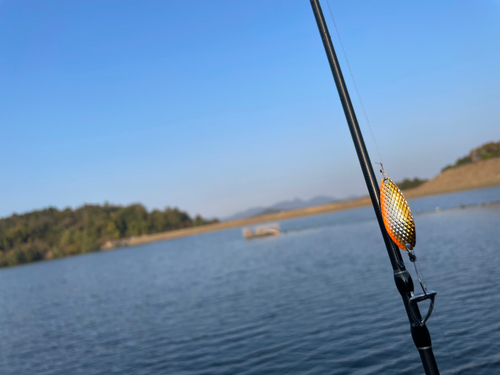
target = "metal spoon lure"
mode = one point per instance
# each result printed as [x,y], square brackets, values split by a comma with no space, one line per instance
[397,216]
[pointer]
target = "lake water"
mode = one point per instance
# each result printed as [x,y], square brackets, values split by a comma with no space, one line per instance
[319,299]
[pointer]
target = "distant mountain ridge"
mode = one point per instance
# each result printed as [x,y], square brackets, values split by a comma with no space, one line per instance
[281,206]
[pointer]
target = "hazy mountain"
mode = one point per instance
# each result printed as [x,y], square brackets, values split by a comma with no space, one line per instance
[243,214]
[281,206]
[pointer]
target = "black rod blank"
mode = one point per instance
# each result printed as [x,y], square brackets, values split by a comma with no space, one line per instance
[404,283]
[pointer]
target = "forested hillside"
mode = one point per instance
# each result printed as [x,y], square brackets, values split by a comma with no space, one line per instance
[53,233]
[487,151]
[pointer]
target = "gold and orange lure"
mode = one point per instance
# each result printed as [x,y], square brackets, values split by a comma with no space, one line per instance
[397,216]
[399,223]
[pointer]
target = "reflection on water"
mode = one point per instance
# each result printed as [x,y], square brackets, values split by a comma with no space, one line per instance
[318,300]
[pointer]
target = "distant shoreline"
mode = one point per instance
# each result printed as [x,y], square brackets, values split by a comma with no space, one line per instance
[478,175]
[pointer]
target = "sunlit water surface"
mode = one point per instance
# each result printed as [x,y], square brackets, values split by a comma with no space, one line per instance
[319,299]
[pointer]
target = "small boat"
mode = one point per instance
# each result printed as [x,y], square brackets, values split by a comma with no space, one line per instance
[261,231]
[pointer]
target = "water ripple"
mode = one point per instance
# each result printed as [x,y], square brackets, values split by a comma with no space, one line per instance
[310,302]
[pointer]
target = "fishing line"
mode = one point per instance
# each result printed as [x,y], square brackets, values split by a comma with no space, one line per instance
[424,288]
[354,82]
[391,206]
[420,279]
[400,226]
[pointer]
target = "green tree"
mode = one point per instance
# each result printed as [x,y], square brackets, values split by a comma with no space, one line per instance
[52,233]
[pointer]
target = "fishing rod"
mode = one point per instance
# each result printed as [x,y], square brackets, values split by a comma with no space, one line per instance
[404,282]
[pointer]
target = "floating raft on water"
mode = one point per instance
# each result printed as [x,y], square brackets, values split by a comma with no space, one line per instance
[261,231]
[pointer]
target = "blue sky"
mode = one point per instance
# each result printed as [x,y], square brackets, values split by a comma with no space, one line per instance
[217,106]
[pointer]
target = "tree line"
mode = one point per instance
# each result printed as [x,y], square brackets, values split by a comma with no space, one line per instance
[51,233]
[408,183]
[487,151]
